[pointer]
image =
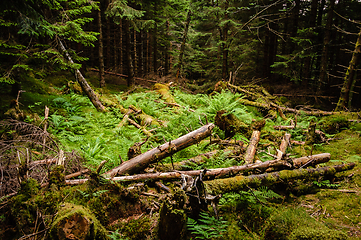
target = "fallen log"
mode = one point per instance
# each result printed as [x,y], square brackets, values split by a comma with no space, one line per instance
[286,109]
[214,173]
[163,90]
[140,162]
[239,183]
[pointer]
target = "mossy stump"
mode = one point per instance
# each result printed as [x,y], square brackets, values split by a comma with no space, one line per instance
[76,222]
[172,222]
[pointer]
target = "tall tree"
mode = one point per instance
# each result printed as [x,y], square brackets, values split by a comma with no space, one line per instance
[101,50]
[324,59]
[350,76]
[119,10]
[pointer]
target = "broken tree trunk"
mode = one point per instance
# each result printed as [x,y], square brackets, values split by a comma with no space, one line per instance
[238,183]
[84,84]
[283,147]
[142,161]
[252,147]
[215,173]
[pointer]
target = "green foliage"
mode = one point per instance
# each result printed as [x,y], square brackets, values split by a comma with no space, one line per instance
[248,198]
[207,227]
[325,184]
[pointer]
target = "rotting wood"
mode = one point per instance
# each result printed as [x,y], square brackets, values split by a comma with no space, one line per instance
[238,183]
[142,161]
[286,109]
[163,90]
[252,147]
[215,173]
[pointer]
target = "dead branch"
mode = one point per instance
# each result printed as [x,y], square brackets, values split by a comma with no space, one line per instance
[142,161]
[215,173]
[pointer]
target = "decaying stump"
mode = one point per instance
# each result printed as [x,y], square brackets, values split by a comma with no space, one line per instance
[230,124]
[135,150]
[140,162]
[76,222]
[172,217]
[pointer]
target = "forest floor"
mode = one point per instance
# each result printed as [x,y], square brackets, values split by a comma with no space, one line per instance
[321,207]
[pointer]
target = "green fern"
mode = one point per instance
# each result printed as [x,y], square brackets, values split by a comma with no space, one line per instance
[207,227]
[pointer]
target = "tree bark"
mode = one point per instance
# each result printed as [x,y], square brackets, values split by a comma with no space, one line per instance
[239,183]
[101,50]
[349,80]
[181,53]
[326,43]
[140,162]
[252,147]
[224,45]
[84,84]
[128,54]
[283,147]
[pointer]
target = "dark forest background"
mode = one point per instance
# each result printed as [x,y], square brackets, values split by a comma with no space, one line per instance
[296,47]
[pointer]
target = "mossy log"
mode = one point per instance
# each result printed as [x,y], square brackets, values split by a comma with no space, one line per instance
[143,118]
[163,90]
[238,183]
[286,109]
[140,162]
[218,172]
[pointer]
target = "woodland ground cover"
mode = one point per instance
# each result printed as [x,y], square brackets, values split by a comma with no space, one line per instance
[324,208]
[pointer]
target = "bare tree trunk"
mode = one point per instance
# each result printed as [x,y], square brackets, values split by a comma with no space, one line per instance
[224,45]
[326,42]
[140,162]
[130,80]
[181,53]
[101,49]
[167,49]
[350,76]
[84,84]
[307,63]
[135,65]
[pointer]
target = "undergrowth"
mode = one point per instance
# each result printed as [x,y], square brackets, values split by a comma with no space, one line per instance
[251,214]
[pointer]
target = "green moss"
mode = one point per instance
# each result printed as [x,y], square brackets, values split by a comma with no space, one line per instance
[310,233]
[56,176]
[76,221]
[281,225]
[334,123]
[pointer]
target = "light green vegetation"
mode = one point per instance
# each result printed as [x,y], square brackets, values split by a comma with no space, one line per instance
[277,212]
